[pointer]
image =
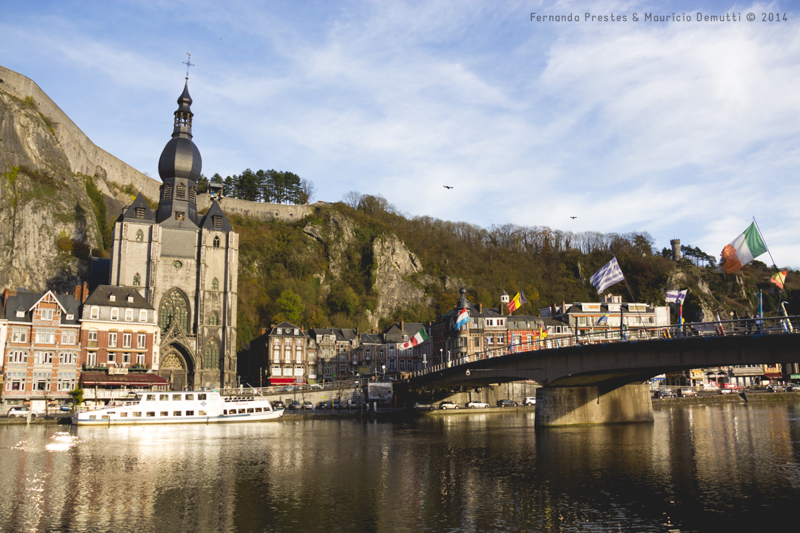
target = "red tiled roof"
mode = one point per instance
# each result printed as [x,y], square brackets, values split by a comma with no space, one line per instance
[134,378]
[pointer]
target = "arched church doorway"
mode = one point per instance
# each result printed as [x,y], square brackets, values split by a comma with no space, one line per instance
[176,367]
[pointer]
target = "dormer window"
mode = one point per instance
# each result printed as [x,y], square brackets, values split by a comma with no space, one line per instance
[112,298]
[138,212]
[216,222]
[20,314]
[130,298]
[70,317]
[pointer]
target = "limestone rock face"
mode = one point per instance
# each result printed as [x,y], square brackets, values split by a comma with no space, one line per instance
[341,234]
[393,263]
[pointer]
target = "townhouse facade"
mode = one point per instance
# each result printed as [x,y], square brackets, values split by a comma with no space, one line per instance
[286,354]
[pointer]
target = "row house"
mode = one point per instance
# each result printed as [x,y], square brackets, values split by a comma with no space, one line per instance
[371,354]
[335,359]
[287,354]
[400,358]
[41,355]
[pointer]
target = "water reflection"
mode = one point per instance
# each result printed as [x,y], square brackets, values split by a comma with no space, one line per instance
[698,468]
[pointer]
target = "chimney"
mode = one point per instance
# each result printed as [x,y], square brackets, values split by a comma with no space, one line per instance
[402,325]
[263,331]
[85,293]
[480,308]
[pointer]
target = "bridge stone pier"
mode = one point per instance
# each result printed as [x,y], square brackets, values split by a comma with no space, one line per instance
[572,406]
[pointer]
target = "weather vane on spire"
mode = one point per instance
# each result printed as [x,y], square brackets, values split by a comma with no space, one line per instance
[188,64]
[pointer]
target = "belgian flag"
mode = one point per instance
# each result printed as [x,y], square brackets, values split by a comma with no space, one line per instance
[518,301]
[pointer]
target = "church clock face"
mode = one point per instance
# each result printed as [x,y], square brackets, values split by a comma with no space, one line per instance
[177,265]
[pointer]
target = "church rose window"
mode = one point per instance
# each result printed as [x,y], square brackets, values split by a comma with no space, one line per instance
[174,307]
[211,354]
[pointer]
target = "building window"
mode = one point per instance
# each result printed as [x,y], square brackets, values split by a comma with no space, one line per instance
[174,309]
[126,358]
[193,194]
[43,358]
[216,222]
[126,340]
[92,335]
[142,315]
[211,354]
[114,313]
[180,191]
[137,280]
[215,284]
[216,242]
[213,320]
[140,233]
[111,357]
[140,359]
[18,357]
[112,339]
[180,215]
[129,315]
[138,212]
[91,359]
[45,336]
[141,340]
[166,191]
[19,336]
[46,314]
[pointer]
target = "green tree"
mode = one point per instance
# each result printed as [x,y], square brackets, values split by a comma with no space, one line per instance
[290,308]
[77,395]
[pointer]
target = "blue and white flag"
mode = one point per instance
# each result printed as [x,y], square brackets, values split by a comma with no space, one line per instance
[607,276]
[463,318]
[677,296]
[603,320]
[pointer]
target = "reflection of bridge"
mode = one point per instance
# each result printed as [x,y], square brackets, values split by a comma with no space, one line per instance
[602,383]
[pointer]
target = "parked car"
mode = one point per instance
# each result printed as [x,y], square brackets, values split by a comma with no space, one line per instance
[477,405]
[65,408]
[315,386]
[448,405]
[20,412]
[307,405]
[793,387]
[424,406]
[775,387]
[277,404]
[663,393]
[324,404]
[686,392]
[294,405]
[507,403]
[725,391]
[530,400]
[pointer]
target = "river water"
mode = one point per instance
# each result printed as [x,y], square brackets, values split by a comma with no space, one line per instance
[726,467]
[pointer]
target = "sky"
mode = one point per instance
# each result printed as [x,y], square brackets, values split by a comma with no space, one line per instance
[682,128]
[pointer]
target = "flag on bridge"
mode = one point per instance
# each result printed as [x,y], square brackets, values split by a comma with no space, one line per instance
[743,249]
[677,296]
[419,338]
[463,318]
[518,301]
[607,276]
[779,279]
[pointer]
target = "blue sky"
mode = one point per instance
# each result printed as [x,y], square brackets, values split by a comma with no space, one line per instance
[683,129]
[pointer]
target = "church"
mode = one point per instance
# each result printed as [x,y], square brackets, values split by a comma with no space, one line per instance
[185,265]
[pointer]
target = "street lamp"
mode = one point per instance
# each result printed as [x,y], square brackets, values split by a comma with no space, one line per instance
[383,367]
[441,355]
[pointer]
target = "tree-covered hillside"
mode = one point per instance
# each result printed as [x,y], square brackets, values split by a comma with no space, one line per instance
[286,273]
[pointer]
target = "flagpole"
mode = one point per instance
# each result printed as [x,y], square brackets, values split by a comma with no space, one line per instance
[765,242]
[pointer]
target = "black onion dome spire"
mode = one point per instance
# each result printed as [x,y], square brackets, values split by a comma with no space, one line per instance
[180,157]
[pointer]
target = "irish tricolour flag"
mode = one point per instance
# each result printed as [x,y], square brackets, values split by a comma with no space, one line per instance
[419,338]
[743,249]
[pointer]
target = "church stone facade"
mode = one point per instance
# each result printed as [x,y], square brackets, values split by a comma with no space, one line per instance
[185,265]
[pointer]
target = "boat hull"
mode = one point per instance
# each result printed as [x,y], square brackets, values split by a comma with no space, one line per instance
[221,419]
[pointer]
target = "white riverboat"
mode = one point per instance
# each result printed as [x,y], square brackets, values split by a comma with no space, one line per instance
[179,408]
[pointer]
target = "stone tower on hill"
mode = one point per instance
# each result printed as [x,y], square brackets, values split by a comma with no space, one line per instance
[185,265]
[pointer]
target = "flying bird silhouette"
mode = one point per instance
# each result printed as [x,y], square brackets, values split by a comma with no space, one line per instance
[573,217]
[447,186]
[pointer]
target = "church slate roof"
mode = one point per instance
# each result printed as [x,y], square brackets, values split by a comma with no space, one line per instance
[207,223]
[147,214]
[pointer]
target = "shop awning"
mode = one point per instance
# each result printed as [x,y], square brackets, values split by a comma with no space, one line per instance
[99,379]
[282,381]
[773,375]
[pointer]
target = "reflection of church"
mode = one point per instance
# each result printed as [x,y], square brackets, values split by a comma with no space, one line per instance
[185,265]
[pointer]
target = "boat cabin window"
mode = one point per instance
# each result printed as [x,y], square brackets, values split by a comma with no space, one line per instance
[190,396]
[163,397]
[201,396]
[123,414]
[176,413]
[150,398]
[250,410]
[164,413]
[135,415]
[189,413]
[176,397]
[151,413]
[258,409]
[92,417]
[202,413]
[225,412]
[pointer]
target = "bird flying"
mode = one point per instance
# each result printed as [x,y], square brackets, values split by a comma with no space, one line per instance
[573,217]
[447,186]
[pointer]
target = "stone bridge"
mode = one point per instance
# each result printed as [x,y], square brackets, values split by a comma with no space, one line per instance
[603,383]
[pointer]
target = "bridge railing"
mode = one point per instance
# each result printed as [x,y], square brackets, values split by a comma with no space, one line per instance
[602,335]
